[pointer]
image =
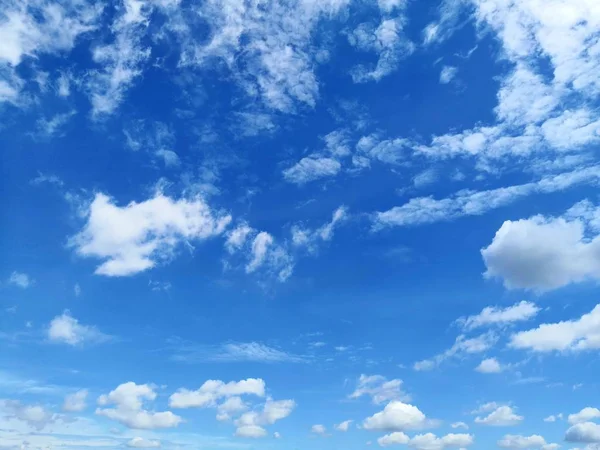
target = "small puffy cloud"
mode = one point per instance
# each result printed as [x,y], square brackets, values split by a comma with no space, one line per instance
[319,430]
[344,426]
[585,415]
[517,442]
[75,402]
[310,238]
[66,329]
[489,365]
[134,238]
[461,425]
[494,315]
[213,390]
[395,438]
[447,74]
[230,407]
[277,435]
[252,423]
[430,441]
[312,168]
[545,253]
[425,178]
[396,416]
[585,432]
[462,346]
[34,415]
[569,335]
[20,279]
[553,418]
[503,416]
[138,442]
[128,400]
[379,389]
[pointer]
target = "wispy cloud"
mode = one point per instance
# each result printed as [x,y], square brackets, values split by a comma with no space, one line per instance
[231,352]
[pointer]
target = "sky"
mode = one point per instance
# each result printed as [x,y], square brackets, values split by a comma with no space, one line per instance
[299,224]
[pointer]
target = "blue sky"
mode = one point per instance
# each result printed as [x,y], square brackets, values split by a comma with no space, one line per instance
[255,224]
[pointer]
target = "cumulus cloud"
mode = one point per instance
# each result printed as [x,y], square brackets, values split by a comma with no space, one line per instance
[585,432]
[128,400]
[76,402]
[214,390]
[397,416]
[312,168]
[585,415]
[428,441]
[134,238]
[494,315]
[318,430]
[344,426]
[544,253]
[252,423]
[503,416]
[35,416]
[66,329]
[489,365]
[379,388]
[569,335]
[511,441]
[138,442]
[462,346]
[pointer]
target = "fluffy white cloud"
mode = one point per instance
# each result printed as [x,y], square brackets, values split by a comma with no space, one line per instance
[586,432]
[462,425]
[396,416]
[128,399]
[585,415]
[138,442]
[76,402]
[546,253]
[395,438]
[311,169]
[67,330]
[430,441]
[489,365]
[503,416]
[570,335]
[35,416]
[516,442]
[494,315]
[379,389]
[20,279]
[319,429]
[462,346]
[344,426]
[213,390]
[136,237]
[553,418]
[251,423]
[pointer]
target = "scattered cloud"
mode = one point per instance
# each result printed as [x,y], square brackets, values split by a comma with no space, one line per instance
[65,329]
[585,415]
[232,352]
[379,389]
[343,426]
[76,402]
[511,441]
[462,346]
[319,430]
[20,279]
[138,442]
[494,315]
[128,400]
[585,432]
[489,365]
[214,390]
[503,416]
[397,416]
[310,169]
[252,423]
[447,74]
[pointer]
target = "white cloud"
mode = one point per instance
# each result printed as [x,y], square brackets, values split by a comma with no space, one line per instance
[66,329]
[319,430]
[76,402]
[230,407]
[503,416]
[430,441]
[570,335]
[388,40]
[128,399]
[461,425]
[545,253]
[344,426]
[462,346]
[379,389]
[489,365]
[553,418]
[213,390]
[516,442]
[312,168]
[34,415]
[170,158]
[423,210]
[494,315]
[233,352]
[585,415]
[447,74]
[425,178]
[277,435]
[397,416]
[309,239]
[586,432]
[136,237]
[395,438]
[20,279]
[138,442]
[250,424]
